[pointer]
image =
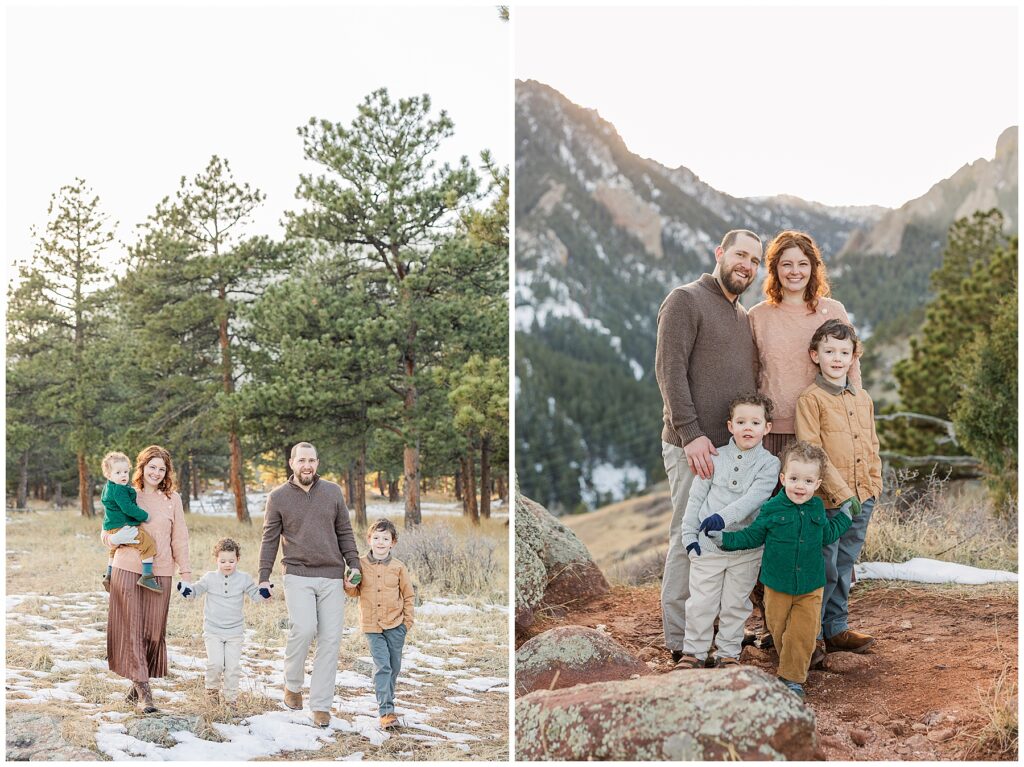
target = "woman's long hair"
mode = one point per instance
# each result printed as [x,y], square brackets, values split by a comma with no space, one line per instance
[817,286]
[151,452]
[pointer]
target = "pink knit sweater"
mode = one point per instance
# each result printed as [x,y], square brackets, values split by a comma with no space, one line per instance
[167,526]
[782,333]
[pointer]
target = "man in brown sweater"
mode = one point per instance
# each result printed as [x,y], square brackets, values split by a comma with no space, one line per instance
[308,516]
[705,358]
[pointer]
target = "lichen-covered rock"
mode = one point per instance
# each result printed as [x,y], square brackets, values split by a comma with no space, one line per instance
[712,715]
[571,655]
[553,567]
[36,737]
[160,728]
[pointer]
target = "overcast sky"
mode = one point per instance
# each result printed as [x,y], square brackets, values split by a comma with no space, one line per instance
[839,105]
[131,99]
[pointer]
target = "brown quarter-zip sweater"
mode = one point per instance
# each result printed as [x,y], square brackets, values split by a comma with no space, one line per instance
[313,528]
[705,358]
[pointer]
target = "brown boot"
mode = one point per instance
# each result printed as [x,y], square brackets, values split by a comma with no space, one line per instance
[849,641]
[321,718]
[293,700]
[388,721]
[144,703]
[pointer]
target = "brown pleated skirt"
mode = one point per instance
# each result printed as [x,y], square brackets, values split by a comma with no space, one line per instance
[776,443]
[137,627]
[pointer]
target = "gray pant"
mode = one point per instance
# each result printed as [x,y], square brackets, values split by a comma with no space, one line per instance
[675,582]
[839,559]
[223,658]
[316,608]
[386,650]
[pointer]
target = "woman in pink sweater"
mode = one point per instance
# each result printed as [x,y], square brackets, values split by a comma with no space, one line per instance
[137,619]
[796,289]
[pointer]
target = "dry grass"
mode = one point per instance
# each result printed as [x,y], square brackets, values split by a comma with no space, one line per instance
[639,571]
[47,536]
[998,738]
[933,519]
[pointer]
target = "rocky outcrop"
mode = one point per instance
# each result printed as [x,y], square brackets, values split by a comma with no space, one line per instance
[572,655]
[36,737]
[738,713]
[161,729]
[553,568]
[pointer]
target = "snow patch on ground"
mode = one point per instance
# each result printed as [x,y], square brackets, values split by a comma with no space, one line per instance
[921,570]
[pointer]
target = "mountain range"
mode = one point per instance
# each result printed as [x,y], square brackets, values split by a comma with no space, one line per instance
[601,237]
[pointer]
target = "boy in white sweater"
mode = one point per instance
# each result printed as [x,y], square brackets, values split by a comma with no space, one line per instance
[720,581]
[223,625]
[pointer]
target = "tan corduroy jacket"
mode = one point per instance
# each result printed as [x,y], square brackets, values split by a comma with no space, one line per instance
[842,422]
[385,595]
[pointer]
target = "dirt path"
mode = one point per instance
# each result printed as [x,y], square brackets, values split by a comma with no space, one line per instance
[922,691]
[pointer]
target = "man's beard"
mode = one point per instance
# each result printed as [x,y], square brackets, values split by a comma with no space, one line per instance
[306,480]
[734,284]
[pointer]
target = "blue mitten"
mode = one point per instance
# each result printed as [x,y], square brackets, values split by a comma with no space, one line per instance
[711,524]
[265,592]
[693,547]
[185,589]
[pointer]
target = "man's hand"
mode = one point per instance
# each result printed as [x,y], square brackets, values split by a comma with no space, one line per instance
[698,457]
[694,547]
[711,524]
[264,589]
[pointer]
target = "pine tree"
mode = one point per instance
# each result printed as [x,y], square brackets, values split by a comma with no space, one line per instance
[384,194]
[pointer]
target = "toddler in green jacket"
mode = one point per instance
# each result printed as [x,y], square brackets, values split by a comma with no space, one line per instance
[121,517]
[793,528]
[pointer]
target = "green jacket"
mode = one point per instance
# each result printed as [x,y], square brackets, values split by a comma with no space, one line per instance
[792,535]
[119,506]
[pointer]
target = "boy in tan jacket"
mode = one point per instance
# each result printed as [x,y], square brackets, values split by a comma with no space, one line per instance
[385,612]
[840,418]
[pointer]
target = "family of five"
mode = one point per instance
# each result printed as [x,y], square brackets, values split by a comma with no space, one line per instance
[772,458]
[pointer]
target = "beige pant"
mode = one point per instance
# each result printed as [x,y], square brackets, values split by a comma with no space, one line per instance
[675,582]
[224,658]
[794,621]
[720,585]
[316,609]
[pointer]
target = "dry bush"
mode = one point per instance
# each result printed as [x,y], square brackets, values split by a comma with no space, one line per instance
[928,518]
[639,571]
[447,564]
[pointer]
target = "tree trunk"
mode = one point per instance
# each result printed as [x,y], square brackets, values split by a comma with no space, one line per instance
[393,491]
[485,478]
[350,485]
[84,496]
[463,495]
[411,452]
[195,477]
[184,481]
[474,511]
[58,495]
[502,489]
[458,484]
[237,478]
[382,486]
[22,499]
[360,488]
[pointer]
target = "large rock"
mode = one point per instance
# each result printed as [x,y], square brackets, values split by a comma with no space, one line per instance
[553,567]
[714,714]
[159,728]
[36,737]
[571,655]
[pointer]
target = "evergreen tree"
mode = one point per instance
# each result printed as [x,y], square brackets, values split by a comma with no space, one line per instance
[986,413]
[69,271]
[384,194]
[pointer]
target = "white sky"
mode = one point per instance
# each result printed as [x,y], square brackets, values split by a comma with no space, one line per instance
[133,98]
[845,106]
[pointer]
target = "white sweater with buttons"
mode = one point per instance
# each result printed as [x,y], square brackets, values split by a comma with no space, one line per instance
[742,481]
[225,594]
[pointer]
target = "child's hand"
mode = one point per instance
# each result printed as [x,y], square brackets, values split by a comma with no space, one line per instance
[851,506]
[185,588]
[695,547]
[711,524]
[265,591]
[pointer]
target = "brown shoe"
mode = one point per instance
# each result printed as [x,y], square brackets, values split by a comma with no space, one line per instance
[144,701]
[388,721]
[849,641]
[725,661]
[106,581]
[687,662]
[293,700]
[321,718]
[818,657]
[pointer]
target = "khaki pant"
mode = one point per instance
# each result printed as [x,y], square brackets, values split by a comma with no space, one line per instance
[720,586]
[223,659]
[316,609]
[675,582]
[793,621]
[146,545]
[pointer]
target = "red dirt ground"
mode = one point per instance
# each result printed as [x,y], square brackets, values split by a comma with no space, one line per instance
[918,694]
